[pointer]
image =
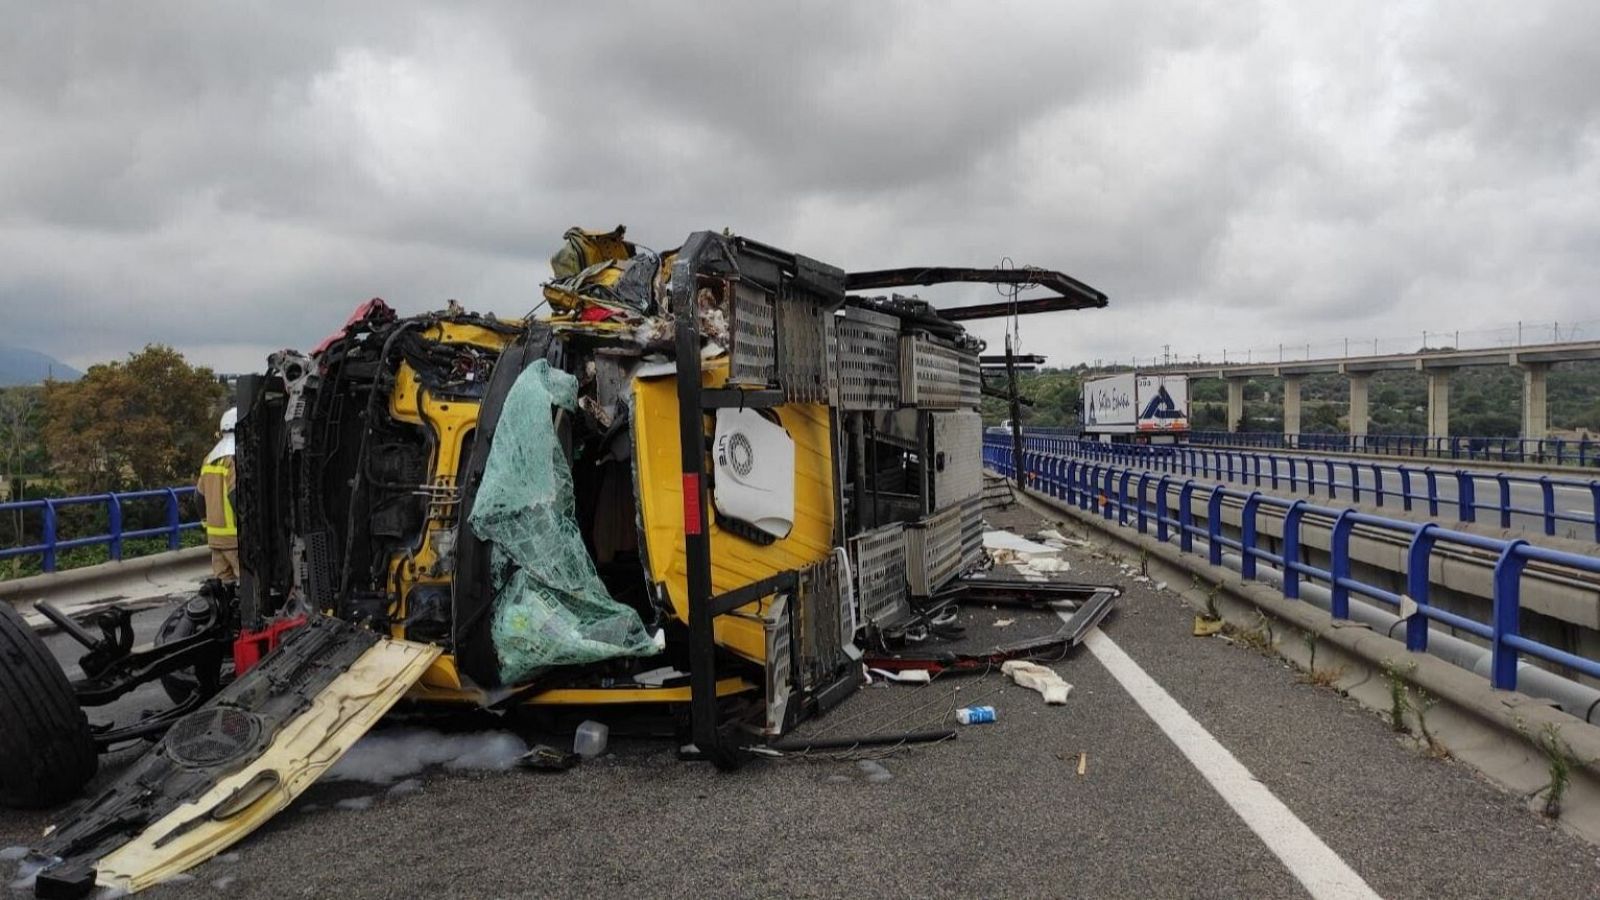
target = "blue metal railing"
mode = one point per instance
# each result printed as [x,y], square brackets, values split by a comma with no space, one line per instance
[1559,501]
[51,542]
[1120,493]
[1550,451]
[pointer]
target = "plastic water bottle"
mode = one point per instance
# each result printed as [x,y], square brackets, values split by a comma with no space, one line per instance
[590,740]
[975,715]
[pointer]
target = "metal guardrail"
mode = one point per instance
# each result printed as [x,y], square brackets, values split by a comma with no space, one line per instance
[1416,485]
[52,543]
[1547,451]
[1093,485]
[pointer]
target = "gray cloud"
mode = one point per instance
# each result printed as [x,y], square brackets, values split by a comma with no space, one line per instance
[231,178]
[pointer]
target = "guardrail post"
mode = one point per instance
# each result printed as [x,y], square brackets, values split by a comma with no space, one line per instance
[1161,508]
[1072,482]
[1291,549]
[1247,537]
[1377,482]
[1273,462]
[1106,492]
[1549,492]
[1417,578]
[1405,487]
[1142,515]
[1214,526]
[1091,487]
[1505,499]
[174,520]
[1333,483]
[114,519]
[1594,507]
[1466,496]
[1507,609]
[1294,477]
[1186,517]
[1122,496]
[1355,483]
[1339,568]
[48,536]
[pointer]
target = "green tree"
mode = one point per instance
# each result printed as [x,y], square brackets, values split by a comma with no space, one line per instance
[146,421]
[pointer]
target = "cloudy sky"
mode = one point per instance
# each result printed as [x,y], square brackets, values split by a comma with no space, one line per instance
[231,178]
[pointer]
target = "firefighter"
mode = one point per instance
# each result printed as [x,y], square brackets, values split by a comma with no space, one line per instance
[216,487]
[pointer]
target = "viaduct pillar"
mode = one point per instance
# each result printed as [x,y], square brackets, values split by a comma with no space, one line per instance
[1360,418]
[1291,409]
[1438,401]
[1235,402]
[1535,404]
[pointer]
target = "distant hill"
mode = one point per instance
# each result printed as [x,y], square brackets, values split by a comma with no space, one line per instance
[22,366]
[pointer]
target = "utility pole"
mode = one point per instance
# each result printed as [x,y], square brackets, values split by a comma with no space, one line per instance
[1016,413]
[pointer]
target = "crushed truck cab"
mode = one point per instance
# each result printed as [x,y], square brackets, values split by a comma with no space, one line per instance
[714,480]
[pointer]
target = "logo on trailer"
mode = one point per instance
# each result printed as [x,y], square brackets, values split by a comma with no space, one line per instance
[1161,407]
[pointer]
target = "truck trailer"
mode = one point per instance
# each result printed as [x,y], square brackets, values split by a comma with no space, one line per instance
[1134,408]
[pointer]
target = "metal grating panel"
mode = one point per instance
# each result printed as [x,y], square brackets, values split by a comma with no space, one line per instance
[868,349]
[933,551]
[971,532]
[820,638]
[930,373]
[880,563]
[971,380]
[958,456]
[803,362]
[780,662]
[753,359]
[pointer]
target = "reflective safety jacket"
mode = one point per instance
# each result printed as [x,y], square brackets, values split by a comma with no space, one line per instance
[216,486]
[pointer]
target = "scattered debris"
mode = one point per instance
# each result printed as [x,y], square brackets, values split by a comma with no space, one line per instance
[1001,623]
[402,788]
[1083,762]
[908,676]
[975,715]
[1036,677]
[354,804]
[1205,626]
[384,757]
[874,771]
[590,739]
[545,758]
[224,882]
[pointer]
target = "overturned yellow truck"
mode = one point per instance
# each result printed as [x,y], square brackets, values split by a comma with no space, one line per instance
[708,479]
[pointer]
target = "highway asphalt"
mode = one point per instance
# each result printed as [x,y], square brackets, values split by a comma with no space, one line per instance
[1001,811]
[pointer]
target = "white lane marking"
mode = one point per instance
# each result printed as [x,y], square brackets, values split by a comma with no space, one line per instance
[1312,862]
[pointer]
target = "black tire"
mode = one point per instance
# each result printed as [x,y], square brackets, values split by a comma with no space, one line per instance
[46,752]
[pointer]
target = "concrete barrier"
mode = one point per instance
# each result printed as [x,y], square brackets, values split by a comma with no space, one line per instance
[79,591]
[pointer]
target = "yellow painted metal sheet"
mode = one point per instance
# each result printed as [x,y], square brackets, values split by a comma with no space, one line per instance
[735,561]
[302,750]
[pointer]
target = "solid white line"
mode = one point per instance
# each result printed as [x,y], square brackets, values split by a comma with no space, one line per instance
[1311,861]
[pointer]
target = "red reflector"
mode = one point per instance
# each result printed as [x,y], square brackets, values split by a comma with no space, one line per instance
[691,504]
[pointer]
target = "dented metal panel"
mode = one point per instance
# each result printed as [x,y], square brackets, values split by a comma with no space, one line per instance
[880,564]
[957,447]
[930,373]
[868,348]
[933,551]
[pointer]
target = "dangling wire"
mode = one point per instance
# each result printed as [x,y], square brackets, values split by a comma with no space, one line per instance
[1011,292]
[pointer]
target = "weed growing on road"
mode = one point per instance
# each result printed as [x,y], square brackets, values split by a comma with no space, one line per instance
[1144,561]
[1397,698]
[1257,637]
[1560,759]
[1420,702]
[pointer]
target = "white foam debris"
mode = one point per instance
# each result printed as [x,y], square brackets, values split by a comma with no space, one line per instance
[232,857]
[385,757]
[1015,543]
[12,854]
[874,771]
[409,786]
[224,882]
[354,804]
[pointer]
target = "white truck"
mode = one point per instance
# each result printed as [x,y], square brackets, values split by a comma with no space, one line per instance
[1135,408]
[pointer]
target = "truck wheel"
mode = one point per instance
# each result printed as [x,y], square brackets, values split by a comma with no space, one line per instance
[46,752]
